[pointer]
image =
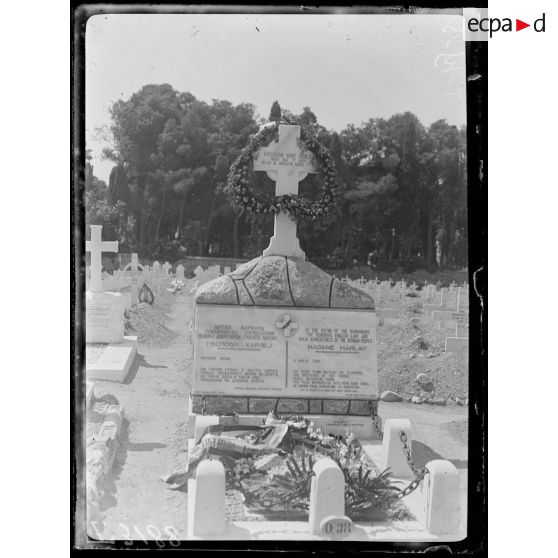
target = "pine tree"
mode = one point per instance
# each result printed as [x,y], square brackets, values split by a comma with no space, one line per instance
[275,113]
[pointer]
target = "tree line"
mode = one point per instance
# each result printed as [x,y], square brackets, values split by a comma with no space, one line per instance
[403,200]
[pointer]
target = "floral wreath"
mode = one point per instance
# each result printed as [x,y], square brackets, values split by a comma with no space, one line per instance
[296,206]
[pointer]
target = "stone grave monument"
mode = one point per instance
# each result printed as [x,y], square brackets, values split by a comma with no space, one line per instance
[280,335]
[109,353]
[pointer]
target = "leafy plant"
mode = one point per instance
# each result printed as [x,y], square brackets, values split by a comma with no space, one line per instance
[286,486]
[365,493]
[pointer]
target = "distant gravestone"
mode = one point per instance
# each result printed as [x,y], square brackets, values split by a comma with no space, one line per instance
[179,274]
[167,268]
[443,318]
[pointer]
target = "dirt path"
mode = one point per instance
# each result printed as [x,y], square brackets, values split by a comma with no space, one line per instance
[153,441]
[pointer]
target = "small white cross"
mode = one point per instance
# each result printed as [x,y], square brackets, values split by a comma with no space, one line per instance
[134,262]
[288,325]
[287,165]
[96,246]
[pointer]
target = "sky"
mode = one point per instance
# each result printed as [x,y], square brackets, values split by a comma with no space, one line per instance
[346,68]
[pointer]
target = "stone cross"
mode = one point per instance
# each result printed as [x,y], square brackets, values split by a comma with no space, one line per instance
[287,165]
[179,273]
[287,324]
[134,285]
[96,246]
[134,263]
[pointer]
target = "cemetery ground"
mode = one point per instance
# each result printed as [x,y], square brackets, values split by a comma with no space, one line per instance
[137,504]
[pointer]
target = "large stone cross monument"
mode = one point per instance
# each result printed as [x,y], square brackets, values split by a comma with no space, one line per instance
[279,334]
[287,164]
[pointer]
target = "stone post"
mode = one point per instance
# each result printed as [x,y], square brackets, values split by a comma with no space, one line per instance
[327,494]
[392,448]
[442,512]
[209,499]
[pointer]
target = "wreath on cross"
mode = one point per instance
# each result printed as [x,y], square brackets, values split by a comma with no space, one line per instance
[297,207]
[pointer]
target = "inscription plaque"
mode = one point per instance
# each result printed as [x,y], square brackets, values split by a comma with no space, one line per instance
[278,352]
[104,319]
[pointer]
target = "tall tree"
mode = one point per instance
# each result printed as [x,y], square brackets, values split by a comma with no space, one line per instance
[275,112]
[136,126]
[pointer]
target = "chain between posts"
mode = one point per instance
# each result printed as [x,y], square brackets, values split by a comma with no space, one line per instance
[419,475]
[375,422]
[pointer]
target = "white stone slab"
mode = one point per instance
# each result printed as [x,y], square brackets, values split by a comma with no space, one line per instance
[285,352]
[111,361]
[104,317]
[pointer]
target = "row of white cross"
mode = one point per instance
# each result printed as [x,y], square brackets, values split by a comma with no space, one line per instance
[96,246]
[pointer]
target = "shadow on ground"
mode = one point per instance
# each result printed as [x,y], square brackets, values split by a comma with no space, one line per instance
[422,454]
[139,360]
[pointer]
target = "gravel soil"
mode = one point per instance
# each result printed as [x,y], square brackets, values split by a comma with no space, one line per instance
[406,349]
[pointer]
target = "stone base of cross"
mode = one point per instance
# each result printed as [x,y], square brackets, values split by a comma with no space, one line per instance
[287,164]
